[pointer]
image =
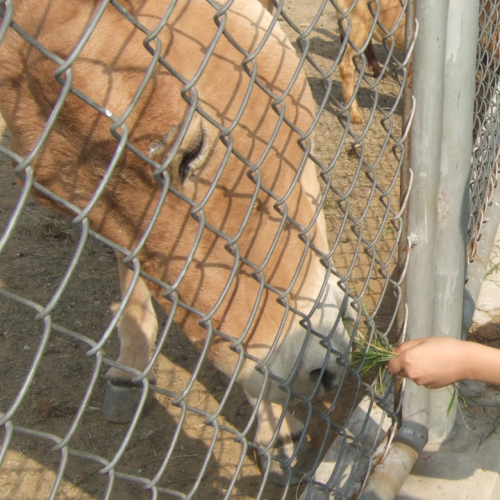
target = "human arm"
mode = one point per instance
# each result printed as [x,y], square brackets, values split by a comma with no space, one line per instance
[439,361]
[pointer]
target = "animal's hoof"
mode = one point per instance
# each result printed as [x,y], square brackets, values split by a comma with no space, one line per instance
[120,402]
[280,475]
[356,118]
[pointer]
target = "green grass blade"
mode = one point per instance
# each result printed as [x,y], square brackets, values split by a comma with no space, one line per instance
[450,406]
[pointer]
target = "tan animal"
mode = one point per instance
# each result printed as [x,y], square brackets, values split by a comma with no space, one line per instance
[357,26]
[235,251]
[489,20]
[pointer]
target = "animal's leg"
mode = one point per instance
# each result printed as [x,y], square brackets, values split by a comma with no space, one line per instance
[137,328]
[371,57]
[283,446]
[372,60]
[357,38]
[346,68]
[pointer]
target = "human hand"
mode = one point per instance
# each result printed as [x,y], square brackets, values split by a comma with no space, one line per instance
[433,362]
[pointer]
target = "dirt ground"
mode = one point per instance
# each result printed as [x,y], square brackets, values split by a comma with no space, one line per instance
[35,260]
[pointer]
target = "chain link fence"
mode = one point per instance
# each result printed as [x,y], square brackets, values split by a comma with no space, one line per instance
[484,215]
[485,153]
[188,138]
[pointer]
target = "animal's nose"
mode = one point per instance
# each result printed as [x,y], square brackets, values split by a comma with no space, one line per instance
[327,380]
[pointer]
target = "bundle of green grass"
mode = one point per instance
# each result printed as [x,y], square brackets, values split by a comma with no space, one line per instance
[373,354]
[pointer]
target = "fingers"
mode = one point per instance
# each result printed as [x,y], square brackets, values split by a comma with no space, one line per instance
[418,361]
[397,363]
[408,345]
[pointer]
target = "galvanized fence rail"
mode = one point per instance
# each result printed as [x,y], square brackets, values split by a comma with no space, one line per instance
[57,277]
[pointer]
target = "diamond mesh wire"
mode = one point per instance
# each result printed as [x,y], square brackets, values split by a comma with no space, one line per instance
[59,276]
[485,153]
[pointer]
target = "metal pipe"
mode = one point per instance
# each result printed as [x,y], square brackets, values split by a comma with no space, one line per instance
[428,91]
[388,477]
[453,196]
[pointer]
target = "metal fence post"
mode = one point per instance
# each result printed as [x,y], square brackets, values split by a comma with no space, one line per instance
[453,196]
[428,91]
[444,67]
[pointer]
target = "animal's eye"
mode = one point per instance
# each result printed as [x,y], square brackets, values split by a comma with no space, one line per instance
[186,168]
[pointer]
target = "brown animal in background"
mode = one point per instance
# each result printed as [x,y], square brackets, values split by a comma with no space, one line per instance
[361,21]
[276,186]
[371,57]
[489,20]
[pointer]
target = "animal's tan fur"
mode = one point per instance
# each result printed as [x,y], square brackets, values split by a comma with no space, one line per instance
[361,22]
[80,147]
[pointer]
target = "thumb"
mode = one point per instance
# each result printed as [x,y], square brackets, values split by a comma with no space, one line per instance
[395,365]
